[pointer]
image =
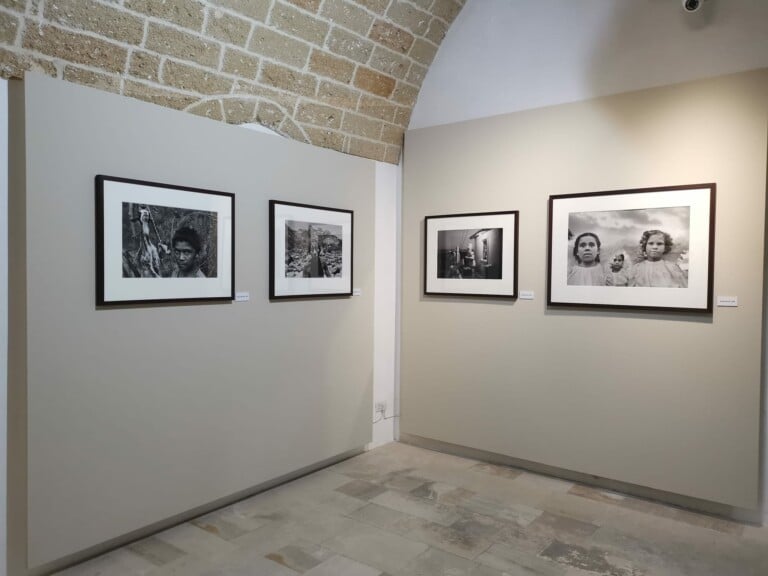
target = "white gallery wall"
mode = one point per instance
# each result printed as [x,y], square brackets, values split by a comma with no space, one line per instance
[385,326]
[137,414]
[665,401]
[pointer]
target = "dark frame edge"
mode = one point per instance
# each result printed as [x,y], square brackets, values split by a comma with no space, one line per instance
[99,213]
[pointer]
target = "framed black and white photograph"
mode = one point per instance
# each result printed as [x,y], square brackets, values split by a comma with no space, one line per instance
[649,248]
[471,254]
[310,251]
[162,243]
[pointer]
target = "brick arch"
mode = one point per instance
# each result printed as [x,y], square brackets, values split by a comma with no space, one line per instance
[342,74]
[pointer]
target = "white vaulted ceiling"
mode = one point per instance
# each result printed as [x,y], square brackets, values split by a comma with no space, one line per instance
[506,55]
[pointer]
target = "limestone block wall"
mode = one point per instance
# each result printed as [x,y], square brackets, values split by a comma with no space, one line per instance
[341,74]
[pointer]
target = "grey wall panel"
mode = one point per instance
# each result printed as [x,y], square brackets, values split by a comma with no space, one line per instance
[663,400]
[137,414]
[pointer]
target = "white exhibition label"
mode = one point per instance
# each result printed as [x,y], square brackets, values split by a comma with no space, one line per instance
[357,292]
[242,296]
[728,301]
[526,294]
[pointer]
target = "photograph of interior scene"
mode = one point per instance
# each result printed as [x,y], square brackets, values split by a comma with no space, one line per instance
[469,254]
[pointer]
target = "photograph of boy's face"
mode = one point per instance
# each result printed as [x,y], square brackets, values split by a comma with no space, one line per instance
[185,256]
[168,242]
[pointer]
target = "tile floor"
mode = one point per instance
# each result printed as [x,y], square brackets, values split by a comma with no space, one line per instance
[405,511]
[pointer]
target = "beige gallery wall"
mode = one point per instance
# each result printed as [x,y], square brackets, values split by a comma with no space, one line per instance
[669,401]
[135,414]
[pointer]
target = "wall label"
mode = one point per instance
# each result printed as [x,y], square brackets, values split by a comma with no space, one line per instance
[728,301]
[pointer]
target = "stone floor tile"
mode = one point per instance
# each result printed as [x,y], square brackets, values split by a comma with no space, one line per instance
[119,562]
[523,539]
[467,537]
[664,545]
[488,520]
[195,541]
[229,523]
[658,509]
[269,538]
[756,533]
[575,507]
[652,555]
[519,514]
[544,483]
[440,493]
[336,503]
[188,566]
[245,562]
[418,507]
[300,558]
[434,562]
[590,559]
[383,550]
[312,529]
[482,570]
[562,527]
[379,516]
[361,489]
[498,487]
[514,562]
[272,506]
[497,470]
[403,482]
[324,480]
[341,566]
[156,551]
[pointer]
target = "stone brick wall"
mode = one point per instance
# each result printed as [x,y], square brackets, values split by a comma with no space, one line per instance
[342,74]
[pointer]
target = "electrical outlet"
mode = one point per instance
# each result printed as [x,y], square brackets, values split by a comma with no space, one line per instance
[380,407]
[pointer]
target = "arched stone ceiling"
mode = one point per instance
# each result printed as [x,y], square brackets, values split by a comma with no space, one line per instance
[341,74]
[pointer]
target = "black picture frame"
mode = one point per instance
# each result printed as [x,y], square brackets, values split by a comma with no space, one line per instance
[311,251]
[472,254]
[636,249]
[162,243]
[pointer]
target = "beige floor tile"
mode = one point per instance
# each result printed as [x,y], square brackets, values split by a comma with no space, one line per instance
[519,514]
[434,562]
[120,562]
[543,483]
[229,523]
[195,541]
[466,538]
[300,558]
[375,547]
[497,470]
[190,566]
[591,559]
[399,510]
[407,504]
[156,551]
[379,516]
[514,562]
[340,566]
